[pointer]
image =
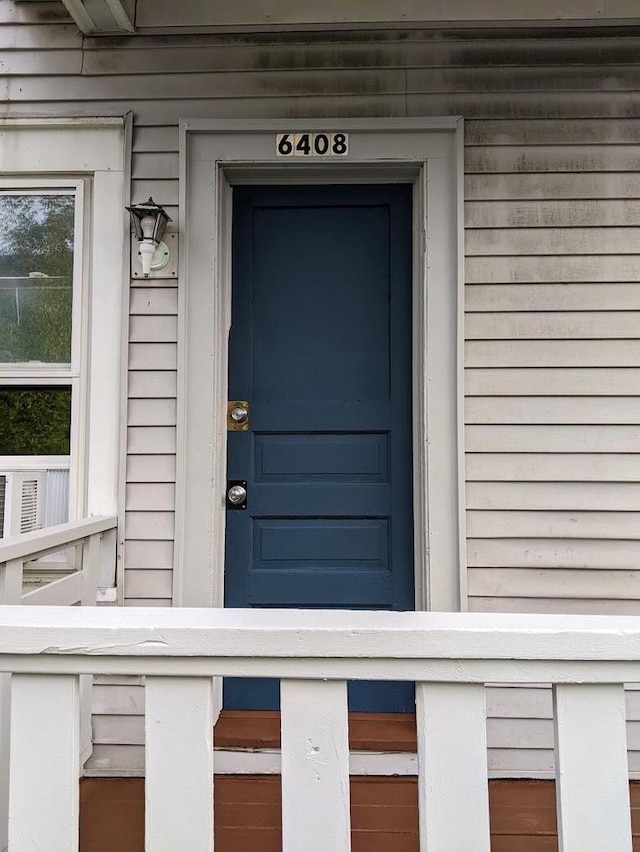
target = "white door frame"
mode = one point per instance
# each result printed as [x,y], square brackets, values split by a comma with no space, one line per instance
[215,155]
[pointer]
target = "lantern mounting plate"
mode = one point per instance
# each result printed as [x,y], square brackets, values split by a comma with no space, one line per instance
[169,265]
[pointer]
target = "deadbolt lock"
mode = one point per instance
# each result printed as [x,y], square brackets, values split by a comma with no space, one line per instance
[237,494]
[238,415]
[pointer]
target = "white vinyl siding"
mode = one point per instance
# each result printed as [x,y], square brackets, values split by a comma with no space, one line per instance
[553,374]
[151,442]
[552,349]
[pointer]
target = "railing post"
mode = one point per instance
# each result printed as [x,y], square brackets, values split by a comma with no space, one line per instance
[107,572]
[11,581]
[44,789]
[10,593]
[179,764]
[90,569]
[315,766]
[453,785]
[592,775]
[91,553]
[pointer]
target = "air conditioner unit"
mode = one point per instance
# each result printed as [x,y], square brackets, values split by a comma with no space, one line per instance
[22,502]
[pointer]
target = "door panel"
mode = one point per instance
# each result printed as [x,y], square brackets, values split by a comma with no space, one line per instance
[309,338]
[320,346]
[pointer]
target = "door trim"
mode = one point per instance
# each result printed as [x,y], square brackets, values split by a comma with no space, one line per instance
[215,155]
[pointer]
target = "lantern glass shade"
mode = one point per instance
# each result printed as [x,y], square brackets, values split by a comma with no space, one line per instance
[149,220]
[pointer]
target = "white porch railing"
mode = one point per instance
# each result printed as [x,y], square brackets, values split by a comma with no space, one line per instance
[92,544]
[450,657]
[92,539]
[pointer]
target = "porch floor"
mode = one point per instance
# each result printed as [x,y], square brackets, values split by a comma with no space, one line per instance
[383,810]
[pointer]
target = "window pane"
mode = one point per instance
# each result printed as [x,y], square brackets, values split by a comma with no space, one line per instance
[35,421]
[36,277]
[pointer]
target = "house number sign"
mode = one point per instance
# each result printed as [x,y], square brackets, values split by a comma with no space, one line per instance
[312,144]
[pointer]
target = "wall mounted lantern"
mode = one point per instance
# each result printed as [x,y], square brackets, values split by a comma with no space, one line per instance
[148,221]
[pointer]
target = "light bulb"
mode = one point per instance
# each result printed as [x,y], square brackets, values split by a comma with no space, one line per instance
[147,226]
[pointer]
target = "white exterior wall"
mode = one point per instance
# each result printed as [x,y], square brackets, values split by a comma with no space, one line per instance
[552,203]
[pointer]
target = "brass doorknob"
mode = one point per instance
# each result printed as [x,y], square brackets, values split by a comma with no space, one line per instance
[238,414]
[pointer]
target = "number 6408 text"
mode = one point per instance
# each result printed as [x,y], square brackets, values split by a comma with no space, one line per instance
[312,144]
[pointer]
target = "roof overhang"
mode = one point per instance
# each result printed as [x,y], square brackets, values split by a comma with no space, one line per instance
[195,15]
[97,17]
[102,16]
[105,17]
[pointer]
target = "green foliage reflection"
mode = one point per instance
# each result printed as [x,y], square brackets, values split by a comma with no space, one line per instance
[34,421]
[36,273]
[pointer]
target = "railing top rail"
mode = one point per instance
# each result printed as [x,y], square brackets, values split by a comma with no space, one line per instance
[300,635]
[33,544]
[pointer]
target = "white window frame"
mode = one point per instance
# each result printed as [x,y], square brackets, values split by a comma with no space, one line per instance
[88,156]
[215,155]
[34,374]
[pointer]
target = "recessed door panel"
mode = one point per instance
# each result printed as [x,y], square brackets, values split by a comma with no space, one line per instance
[322,458]
[326,351]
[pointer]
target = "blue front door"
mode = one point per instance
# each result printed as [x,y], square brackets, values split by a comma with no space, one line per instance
[320,347]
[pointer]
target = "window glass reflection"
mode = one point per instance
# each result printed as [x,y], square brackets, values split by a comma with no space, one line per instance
[36,277]
[35,421]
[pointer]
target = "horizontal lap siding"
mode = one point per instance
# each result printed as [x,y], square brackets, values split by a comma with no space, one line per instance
[552,208]
[151,443]
[551,356]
